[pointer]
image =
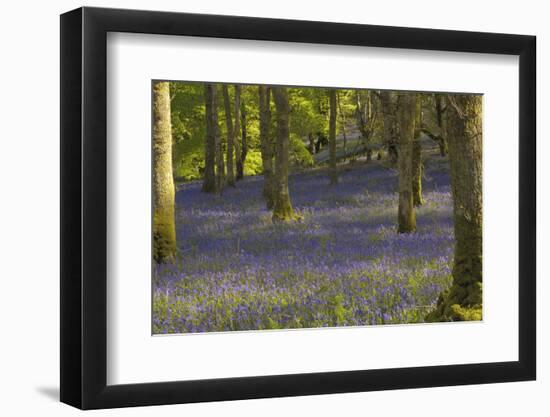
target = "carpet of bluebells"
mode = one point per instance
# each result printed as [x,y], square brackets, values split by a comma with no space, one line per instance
[342,264]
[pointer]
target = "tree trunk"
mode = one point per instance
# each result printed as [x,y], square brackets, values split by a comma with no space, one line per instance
[209,181]
[244,142]
[311,146]
[266,147]
[282,210]
[406,114]
[238,127]
[463,301]
[363,113]
[220,164]
[342,121]
[441,123]
[390,125]
[417,155]
[230,137]
[164,229]
[332,137]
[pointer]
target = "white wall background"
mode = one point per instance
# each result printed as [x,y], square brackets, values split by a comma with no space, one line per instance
[29,213]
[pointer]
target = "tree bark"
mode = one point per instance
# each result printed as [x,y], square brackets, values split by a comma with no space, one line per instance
[238,127]
[244,144]
[220,164]
[282,210]
[417,167]
[441,123]
[164,229]
[463,301]
[391,135]
[406,114]
[209,181]
[342,121]
[311,140]
[230,137]
[364,115]
[333,174]
[266,147]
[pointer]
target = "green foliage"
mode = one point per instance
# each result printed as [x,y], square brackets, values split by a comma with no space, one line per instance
[188,129]
[299,155]
[309,111]
[309,115]
[253,163]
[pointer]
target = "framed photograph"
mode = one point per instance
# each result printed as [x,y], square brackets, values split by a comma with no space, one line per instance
[256,208]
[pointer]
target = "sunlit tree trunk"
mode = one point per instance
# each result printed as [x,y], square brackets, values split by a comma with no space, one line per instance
[417,155]
[244,144]
[230,137]
[390,125]
[164,230]
[463,301]
[209,182]
[282,210]
[332,137]
[266,146]
[406,115]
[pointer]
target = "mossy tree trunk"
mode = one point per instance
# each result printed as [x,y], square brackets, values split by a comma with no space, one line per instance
[333,173]
[220,159]
[266,146]
[230,160]
[417,154]
[463,301]
[282,210]
[164,230]
[406,217]
[391,135]
[209,181]
[244,143]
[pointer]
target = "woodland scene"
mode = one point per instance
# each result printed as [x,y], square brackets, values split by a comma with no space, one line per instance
[281,207]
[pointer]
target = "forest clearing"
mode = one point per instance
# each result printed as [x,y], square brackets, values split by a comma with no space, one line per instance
[341,211]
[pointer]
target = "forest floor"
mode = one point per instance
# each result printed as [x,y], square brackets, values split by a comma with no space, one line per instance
[342,264]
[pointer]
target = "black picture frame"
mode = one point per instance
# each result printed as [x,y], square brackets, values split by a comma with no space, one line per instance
[84,207]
